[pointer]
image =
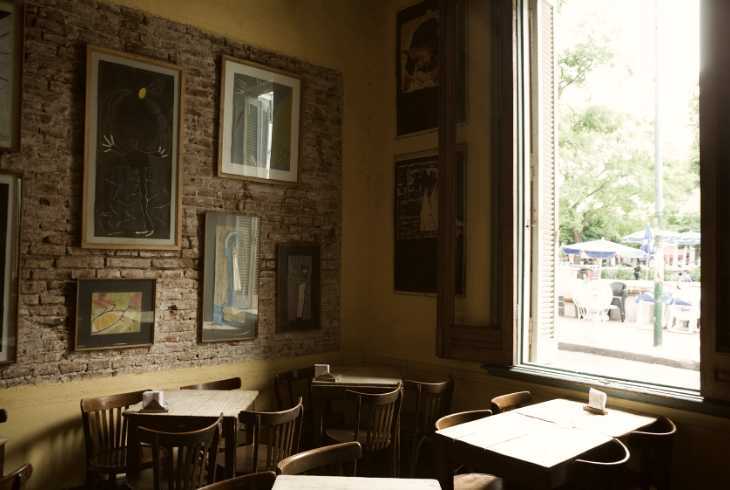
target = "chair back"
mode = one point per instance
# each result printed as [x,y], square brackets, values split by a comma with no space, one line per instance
[263,480]
[221,384]
[601,468]
[183,460]
[275,435]
[377,418]
[619,289]
[292,385]
[461,418]
[653,446]
[505,403]
[326,460]
[432,401]
[105,427]
[17,479]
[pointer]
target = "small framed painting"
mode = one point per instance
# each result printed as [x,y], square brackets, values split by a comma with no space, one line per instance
[114,313]
[11,67]
[297,287]
[10,228]
[230,282]
[132,196]
[259,127]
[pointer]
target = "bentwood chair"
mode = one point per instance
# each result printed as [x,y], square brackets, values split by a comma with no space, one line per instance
[423,404]
[511,401]
[464,480]
[183,460]
[289,387]
[274,436]
[326,460]
[376,425]
[602,468]
[105,435]
[651,447]
[17,479]
[263,480]
[222,384]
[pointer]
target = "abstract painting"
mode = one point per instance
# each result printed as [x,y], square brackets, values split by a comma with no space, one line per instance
[114,313]
[259,128]
[9,227]
[11,62]
[297,287]
[418,66]
[416,220]
[131,170]
[230,283]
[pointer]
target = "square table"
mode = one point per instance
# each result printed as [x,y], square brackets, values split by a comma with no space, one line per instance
[311,482]
[195,403]
[534,445]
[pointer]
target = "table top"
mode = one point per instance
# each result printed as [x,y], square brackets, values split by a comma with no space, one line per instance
[311,482]
[204,403]
[546,434]
[361,376]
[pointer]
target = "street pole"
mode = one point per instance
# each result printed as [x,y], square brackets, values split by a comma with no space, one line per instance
[658,190]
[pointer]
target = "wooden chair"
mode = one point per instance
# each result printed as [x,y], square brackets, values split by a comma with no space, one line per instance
[601,468]
[274,436]
[468,480]
[652,447]
[377,424]
[505,403]
[105,435]
[182,460]
[327,460]
[423,404]
[222,384]
[289,387]
[263,480]
[17,479]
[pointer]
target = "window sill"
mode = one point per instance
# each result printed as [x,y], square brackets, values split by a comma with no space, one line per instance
[677,398]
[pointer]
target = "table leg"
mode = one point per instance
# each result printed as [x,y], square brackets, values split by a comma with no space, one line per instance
[229,434]
[133,454]
[443,466]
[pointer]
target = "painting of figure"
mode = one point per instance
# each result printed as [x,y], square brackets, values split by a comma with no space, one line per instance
[297,287]
[230,288]
[131,171]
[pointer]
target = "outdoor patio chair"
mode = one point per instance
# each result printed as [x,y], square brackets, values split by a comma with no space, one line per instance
[620,293]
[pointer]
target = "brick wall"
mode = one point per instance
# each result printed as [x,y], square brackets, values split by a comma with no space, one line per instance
[51,161]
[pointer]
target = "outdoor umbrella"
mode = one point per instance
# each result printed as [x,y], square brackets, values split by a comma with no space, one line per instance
[671,237]
[603,249]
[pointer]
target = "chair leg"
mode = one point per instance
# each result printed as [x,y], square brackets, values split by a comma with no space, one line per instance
[415,453]
[90,480]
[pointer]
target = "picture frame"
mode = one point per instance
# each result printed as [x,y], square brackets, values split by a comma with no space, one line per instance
[230,277]
[12,20]
[297,287]
[114,313]
[417,67]
[10,218]
[132,195]
[259,129]
[415,223]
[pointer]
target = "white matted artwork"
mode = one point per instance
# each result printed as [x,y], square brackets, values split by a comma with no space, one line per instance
[259,128]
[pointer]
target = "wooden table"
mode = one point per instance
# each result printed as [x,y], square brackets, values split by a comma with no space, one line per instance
[310,482]
[195,403]
[533,446]
[358,378]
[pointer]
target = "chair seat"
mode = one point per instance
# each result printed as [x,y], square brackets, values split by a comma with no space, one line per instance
[477,481]
[348,435]
[115,460]
[244,457]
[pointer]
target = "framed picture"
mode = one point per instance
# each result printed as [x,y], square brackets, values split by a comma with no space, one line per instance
[297,287]
[114,313]
[132,196]
[10,190]
[11,67]
[417,67]
[416,216]
[259,127]
[230,282]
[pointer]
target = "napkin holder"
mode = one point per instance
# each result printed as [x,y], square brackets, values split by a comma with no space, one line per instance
[596,402]
[322,373]
[325,377]
[153,402]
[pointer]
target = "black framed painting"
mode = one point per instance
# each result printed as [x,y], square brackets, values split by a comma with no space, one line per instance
[131,158]
[114,313]
[11,68]
[417,67]
[259,125]
[297,287]
[416,224]
[10,198]
[230,277]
